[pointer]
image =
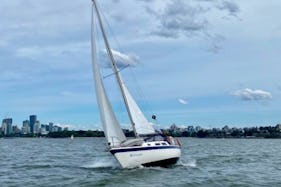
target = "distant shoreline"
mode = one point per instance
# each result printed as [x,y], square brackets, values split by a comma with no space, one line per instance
[224,133]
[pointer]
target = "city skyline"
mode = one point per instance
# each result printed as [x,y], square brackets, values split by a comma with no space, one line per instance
[29,127]
[207,63]
[33,128]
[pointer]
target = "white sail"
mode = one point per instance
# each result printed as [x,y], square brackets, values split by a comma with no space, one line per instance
[139,123]
[142,125]
[111,127]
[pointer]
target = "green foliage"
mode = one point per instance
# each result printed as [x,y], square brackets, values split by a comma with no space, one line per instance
[258,132]
[80,133]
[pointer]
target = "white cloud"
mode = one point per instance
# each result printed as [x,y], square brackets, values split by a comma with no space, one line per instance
[121,59]
[248,94]
[69,126]
[183,101]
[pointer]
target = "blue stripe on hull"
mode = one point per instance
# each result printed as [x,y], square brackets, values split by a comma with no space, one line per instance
[113,151]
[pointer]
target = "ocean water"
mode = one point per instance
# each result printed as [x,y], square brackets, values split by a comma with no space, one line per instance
[83,162]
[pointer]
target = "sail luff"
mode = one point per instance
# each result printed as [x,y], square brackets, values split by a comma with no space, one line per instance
[114,67]
[111,127]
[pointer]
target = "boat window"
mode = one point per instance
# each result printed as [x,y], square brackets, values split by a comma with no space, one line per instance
[154,138]
[157,143]
[148,144]
[164,144]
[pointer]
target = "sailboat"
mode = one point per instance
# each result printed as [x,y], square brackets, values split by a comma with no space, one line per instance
[147,148]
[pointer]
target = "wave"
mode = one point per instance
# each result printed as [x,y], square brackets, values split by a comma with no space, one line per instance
[189,163]
[102,162]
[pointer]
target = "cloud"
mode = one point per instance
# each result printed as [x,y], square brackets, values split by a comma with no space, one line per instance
[115,1]
[182,101]
[122,60]
[248,94]
[215,42]
[186,18]
[179,18]
[230,6]
[69,126]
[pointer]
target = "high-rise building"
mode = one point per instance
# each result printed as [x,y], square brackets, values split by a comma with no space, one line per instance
[7,127]
[55,129]
[47,127]
[43,129]
[36,129]
[3,127]
[51,125]
[32,121]
[16,130]
[25,127]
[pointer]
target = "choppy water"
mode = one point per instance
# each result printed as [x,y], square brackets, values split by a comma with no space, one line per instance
[83,162]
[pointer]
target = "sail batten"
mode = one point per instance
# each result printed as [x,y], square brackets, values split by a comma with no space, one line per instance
[112,129]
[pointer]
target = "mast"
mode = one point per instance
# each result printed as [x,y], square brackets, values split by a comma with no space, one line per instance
[114,68]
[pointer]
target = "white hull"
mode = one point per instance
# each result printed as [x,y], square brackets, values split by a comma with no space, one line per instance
[130,157]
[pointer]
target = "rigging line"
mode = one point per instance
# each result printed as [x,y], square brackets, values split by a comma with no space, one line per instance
[141,95]
[100,53]
[119,70]
[121,50]
[139,90]
[111,32]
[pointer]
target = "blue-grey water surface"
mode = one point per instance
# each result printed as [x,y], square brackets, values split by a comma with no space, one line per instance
[83,162]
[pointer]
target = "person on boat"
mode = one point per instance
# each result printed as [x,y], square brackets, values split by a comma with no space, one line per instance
[170,140]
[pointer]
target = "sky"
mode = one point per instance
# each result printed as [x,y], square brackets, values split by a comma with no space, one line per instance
[192,62]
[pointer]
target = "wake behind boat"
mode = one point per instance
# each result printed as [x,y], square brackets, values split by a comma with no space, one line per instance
[148,148]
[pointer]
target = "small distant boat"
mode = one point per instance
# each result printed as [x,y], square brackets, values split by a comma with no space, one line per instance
[72,137]
[147,148]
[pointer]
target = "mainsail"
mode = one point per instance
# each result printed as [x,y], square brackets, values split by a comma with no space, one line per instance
[111,127]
